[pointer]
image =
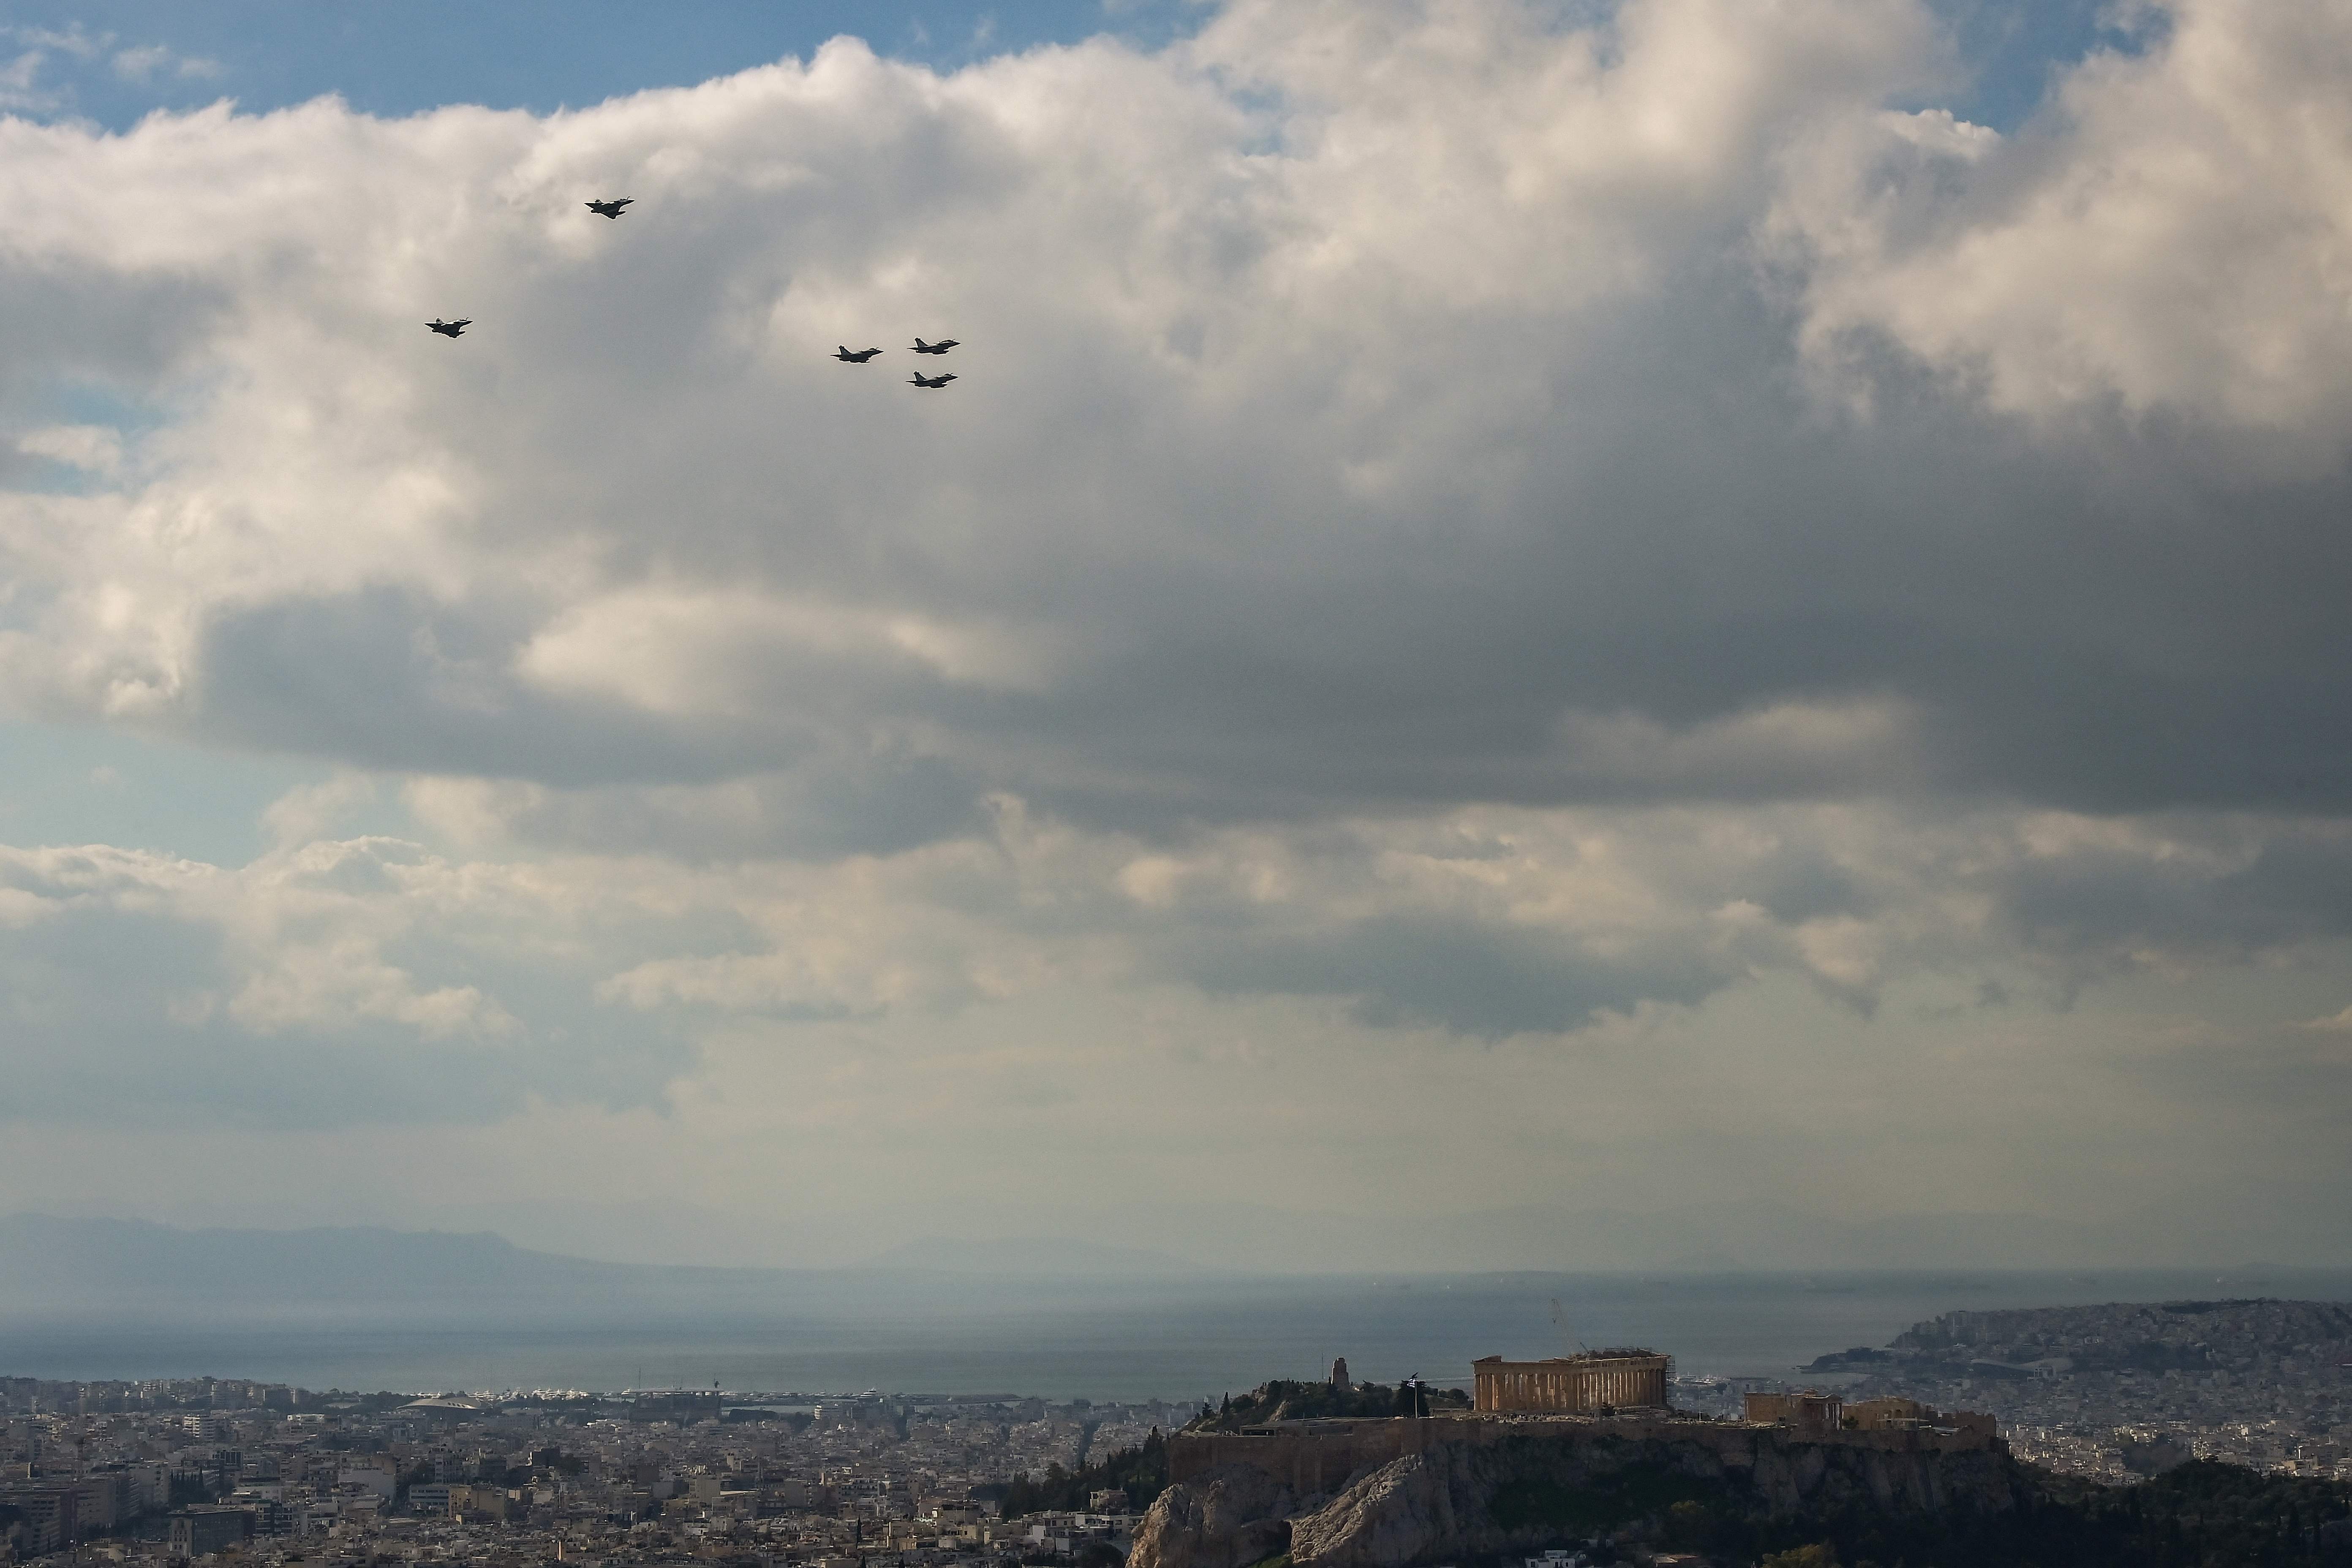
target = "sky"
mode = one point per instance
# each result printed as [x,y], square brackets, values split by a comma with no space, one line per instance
[1538,633]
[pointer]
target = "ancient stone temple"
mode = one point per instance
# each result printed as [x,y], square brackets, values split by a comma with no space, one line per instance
[1619,1379]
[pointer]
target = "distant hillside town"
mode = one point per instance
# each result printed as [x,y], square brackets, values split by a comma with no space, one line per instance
[2123,1392]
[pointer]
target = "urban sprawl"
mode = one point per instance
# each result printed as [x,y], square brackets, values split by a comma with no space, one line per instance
[155,1472]
[161,1471]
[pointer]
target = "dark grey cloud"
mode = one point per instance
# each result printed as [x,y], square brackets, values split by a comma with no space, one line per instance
[1473,979]
[2141,636]
[76,333]
[386,677]
[2237,889]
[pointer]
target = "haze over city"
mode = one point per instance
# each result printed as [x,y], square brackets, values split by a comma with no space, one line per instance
[1681,633]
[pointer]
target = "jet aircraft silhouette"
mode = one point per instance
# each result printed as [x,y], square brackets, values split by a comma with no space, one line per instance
[847,356]
[933,381]
[610,207]
[449,328]
[937,348]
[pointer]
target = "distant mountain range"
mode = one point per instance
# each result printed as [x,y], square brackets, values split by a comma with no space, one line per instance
[1038,1255]
[976,1231]
[137,1271]
[60,1270]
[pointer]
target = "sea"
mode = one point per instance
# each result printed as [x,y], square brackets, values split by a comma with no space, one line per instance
[1178,1339]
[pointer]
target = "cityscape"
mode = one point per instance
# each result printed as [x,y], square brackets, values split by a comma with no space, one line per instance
[533,1476]
[166,1471]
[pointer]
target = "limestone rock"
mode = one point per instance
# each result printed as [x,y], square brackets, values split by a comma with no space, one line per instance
[1406,1512]
[1230,1517]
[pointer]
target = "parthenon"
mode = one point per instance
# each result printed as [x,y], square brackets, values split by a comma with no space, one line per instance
[1621,1379]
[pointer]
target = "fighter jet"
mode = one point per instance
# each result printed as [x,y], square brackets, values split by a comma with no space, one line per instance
[611,207]
[848,356]
[449,328]
[937,348]
[933,381]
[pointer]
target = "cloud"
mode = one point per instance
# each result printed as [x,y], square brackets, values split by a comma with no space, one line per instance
[20,88]
[305,814]
[327,985]
[22,91]
[75,40]
[2161,244]
[1700,983]
[139,64]
[95,449]
[1363,407]
[1464,525]
[1487,922]
[143,62]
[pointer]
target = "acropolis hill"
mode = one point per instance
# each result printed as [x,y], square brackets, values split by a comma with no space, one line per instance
[1541,1457]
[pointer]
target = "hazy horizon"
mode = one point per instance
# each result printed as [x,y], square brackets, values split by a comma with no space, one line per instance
[1272,1244]
[375,1308]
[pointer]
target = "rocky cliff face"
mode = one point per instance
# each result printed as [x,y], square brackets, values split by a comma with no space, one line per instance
[1227,1518]
[1464,1500]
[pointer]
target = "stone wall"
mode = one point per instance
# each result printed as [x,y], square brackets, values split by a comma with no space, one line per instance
[1311,1457]
[1808,1412]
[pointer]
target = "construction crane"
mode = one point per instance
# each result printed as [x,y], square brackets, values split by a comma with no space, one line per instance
[1567,1339]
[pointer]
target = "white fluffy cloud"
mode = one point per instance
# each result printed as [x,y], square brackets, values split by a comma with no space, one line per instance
[1492,521]
[2167,240]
